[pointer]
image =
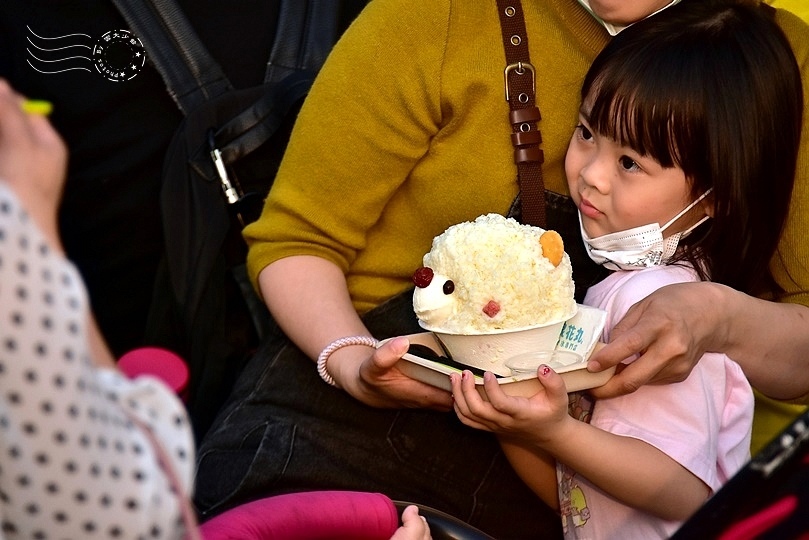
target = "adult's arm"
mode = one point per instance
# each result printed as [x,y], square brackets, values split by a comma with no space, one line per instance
[33,158]
[67,427]
[369,125]
[313,317]
[32,161]
[672,327]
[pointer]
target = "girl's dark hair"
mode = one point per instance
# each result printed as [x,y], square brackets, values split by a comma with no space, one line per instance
[710,86]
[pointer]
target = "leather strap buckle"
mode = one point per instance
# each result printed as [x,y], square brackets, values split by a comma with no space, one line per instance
[519,68]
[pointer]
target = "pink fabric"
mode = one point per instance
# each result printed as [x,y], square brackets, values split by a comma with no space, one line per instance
[703,423]
[161,363]
[336,515]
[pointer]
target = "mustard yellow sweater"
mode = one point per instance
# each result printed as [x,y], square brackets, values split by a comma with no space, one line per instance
[798,7]
[405,133]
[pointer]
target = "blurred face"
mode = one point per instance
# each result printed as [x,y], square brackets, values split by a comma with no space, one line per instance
[626,12]
[616,188]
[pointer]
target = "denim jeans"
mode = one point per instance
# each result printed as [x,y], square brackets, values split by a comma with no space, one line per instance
[285,430]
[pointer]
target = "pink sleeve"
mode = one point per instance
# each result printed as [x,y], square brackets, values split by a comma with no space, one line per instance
[301,516]
[704,422]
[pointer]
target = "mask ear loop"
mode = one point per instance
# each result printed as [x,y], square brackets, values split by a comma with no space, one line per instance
[686,209]
[690,229]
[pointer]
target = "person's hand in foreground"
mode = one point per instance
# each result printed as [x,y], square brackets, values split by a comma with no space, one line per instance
[33,161]
[414,526]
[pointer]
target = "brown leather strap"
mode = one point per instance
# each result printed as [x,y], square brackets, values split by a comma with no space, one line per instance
[520,88]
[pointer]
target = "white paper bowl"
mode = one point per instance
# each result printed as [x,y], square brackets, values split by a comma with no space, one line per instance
[490,351]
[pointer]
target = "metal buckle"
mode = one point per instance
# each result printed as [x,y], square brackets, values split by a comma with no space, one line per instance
[231,194]
[520,68]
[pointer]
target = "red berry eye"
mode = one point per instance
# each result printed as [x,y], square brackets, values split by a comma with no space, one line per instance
[422,277]
[449,287]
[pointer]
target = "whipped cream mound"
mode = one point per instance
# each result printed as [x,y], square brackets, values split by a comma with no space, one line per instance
[490,275]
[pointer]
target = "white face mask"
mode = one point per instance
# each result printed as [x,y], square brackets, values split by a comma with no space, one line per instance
[640,247]
[611,28]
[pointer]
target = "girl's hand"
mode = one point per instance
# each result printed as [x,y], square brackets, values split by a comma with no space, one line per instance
[376,380]
[532,418]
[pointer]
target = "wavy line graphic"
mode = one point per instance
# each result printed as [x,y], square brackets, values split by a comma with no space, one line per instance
[118,55]
[60,53]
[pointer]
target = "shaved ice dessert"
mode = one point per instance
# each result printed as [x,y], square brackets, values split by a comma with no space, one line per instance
[507,284]
[493,274]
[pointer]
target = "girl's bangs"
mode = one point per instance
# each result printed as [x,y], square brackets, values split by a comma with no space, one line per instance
[639,115]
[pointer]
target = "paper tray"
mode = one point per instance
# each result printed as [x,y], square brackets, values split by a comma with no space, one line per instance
[576,376]
[580,335]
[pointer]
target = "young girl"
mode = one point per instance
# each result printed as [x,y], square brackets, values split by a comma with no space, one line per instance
[692,121]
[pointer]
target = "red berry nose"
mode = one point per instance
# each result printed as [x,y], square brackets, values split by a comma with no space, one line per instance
[491,309]
[422,277]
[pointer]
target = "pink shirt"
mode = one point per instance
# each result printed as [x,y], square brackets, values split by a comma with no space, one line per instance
[703,423]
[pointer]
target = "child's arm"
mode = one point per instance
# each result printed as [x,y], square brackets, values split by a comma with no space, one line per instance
[633,471]
[630,470]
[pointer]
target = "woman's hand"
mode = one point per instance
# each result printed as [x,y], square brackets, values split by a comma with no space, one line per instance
[670,330]
[530,419]
[309,299]
[674,326]
[377,381]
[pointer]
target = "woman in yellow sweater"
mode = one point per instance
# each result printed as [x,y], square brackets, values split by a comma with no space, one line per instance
[404,133]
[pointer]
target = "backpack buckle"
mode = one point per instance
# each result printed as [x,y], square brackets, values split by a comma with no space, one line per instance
[231,194]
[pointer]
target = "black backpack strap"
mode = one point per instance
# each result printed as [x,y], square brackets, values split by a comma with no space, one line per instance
[307,30]
[256,124]
[230,140]
[191,75]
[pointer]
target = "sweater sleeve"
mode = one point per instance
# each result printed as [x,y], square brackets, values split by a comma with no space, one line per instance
[341,168]
[73,462]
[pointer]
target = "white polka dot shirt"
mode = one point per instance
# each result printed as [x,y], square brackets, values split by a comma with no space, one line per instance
[73,464]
